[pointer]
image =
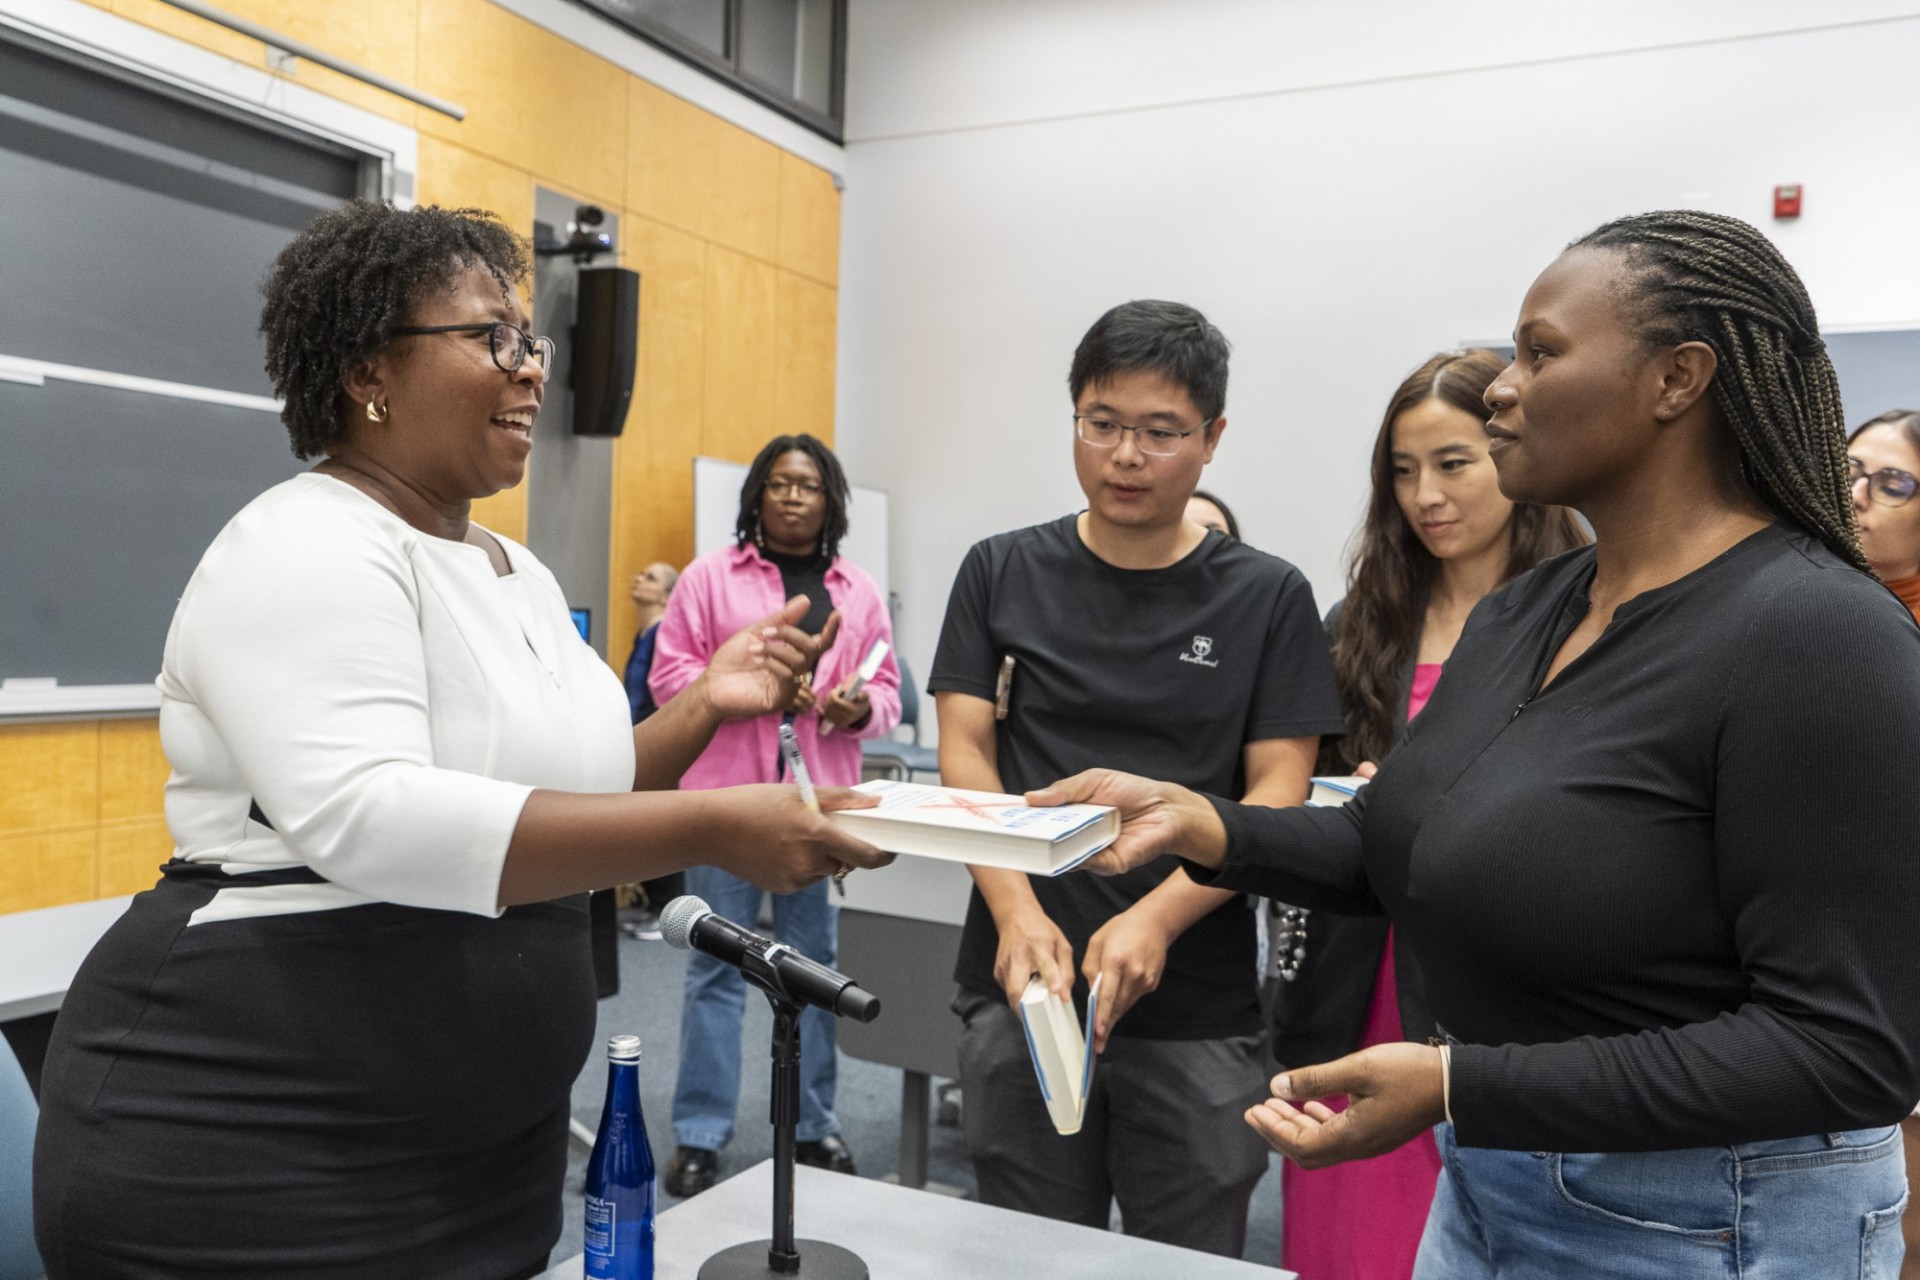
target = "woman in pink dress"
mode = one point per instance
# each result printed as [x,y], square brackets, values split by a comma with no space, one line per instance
[1438,536]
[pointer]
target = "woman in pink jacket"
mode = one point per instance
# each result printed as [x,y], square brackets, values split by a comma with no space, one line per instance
[793,515]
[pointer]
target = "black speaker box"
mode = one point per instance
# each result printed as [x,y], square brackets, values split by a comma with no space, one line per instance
[606,334]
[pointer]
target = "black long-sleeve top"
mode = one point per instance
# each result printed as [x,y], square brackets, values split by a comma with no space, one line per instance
[1670,900]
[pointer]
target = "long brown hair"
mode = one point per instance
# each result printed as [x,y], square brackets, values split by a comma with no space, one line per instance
[1392,571]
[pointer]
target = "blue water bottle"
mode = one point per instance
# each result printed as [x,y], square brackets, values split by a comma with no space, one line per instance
[620,1176]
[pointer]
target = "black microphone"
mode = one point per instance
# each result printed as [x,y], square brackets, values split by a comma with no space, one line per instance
[688,922]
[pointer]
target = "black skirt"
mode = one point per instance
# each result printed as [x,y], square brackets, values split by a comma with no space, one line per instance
[369,1092]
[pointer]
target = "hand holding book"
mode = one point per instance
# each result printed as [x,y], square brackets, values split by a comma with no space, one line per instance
[1155,818]
[1032,949]
[1124,962]
[849,705]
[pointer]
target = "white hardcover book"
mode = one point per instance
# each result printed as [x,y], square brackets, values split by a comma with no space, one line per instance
[1062,1052]
[1334,792]
[980,827]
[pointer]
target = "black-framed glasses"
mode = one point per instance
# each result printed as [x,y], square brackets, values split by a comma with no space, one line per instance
[509,343]
[1105,433]
[799,488]
[1889,486]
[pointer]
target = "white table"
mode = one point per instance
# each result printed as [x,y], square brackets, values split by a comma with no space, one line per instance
[40,951]
[913,1235]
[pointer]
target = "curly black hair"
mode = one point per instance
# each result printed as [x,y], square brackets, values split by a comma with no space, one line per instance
[335,295]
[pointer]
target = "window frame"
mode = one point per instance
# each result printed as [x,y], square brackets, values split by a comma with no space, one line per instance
[727,70]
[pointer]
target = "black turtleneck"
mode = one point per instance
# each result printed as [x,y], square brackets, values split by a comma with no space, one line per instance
[805,575]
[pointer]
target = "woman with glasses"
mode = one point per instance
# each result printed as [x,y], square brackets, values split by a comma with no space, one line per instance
[1883,462]
[340,1035]
[1651,839]
[787,536]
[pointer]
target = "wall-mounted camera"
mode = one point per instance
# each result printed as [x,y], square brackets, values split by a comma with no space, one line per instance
[583,243]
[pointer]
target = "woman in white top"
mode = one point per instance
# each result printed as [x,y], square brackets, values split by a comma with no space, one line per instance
[338,1038]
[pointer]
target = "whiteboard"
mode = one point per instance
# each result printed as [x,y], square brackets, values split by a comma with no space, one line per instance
[716,507]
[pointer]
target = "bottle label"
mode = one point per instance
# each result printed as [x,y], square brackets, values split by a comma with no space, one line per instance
[600,1235]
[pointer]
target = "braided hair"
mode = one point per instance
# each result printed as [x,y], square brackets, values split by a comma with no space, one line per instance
[833,488]
[1705,277]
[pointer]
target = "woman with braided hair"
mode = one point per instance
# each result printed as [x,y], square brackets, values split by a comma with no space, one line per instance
[1649,842]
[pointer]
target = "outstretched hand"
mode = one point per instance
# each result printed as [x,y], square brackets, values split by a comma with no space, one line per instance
[767,836]
[1393,1092]
[1155,818]
[759,667]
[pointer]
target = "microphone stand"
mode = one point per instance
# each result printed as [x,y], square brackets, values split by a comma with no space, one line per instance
[782,1255]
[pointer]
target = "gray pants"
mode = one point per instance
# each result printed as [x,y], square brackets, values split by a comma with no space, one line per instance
[1163,1133]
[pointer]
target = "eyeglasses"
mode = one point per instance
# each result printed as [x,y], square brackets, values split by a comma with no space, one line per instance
[798,488]
[1158,442]
[510,344]
[1889,486]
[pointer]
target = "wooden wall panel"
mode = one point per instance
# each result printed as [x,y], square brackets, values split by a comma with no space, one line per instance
[809,220]
[653,460]
[457,177]
[380,35]
[133,771]
[696,172]
[742,306]
[804,357]
[533,100]
[46,868]
[49,776]
[130,856]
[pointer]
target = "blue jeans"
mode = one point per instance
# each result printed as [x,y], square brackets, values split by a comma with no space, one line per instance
[708,1090]
[1814,1208]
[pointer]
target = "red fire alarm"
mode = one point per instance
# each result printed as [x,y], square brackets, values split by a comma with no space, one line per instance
[1786,201]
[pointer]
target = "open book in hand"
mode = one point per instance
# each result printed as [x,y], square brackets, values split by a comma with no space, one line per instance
[980,827]
[1062,1051]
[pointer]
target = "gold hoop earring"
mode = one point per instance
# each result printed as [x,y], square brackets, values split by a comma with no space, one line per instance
[375,413]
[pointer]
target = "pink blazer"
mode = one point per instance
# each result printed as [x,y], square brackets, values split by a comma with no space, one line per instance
[726,590]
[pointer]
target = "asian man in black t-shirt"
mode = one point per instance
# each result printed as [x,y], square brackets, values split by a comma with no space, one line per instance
[1137,641]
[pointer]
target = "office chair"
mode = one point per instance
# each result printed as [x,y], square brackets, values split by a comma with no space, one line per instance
[19,1260]
[901,760]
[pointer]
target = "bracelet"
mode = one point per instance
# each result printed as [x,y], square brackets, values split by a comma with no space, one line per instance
[1446,1080]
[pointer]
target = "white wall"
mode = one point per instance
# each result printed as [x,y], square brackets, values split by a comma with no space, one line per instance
[1343,187]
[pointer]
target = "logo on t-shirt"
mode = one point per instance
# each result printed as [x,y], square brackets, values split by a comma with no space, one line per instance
[1202,646]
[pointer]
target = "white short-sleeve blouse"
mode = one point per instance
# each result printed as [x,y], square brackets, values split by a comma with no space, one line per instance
[385,698]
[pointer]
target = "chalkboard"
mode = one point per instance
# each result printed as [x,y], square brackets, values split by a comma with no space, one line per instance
[135,415]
